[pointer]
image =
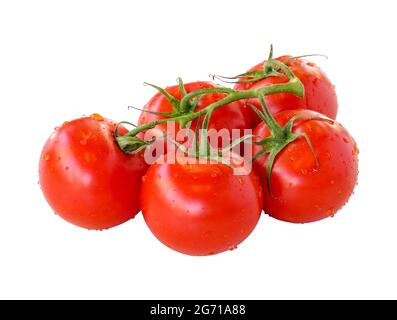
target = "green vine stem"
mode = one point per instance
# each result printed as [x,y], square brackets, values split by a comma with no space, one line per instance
[293,86]
[130,143]
[184,113]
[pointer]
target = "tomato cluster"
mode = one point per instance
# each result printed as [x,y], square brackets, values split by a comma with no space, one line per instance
[94,173]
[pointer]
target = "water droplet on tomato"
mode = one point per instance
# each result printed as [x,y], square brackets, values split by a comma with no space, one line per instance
[241,181]
[330,211]
[214,174]
[304,171]
[83,141]
[47,157]
[332,182]
[345,140]
[231,247]
[355,150]
[315,169]
[143,178]
[328,155]
[97,117]
[292,158]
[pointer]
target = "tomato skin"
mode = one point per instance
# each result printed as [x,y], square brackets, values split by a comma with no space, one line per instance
[231,116]
[200,209]
[303,192]
[86,178]
[319,96]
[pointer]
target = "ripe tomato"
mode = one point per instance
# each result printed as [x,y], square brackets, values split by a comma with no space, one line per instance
[200,209]
[301,190]
[86,178]
[319,96]
[231,116]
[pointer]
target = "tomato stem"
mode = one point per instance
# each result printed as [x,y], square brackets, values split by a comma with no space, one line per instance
[294,86]
[183,108]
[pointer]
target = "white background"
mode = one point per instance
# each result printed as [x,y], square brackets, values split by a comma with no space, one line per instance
[62,59]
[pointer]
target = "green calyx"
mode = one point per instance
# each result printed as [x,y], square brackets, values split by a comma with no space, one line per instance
[202,147]
[178,108]
[271,68]
[132,144]
[279,139]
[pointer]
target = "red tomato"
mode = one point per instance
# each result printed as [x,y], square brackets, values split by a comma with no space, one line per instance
[319,96]
[231,116]
[200,209]
[86,178]
[301,190]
